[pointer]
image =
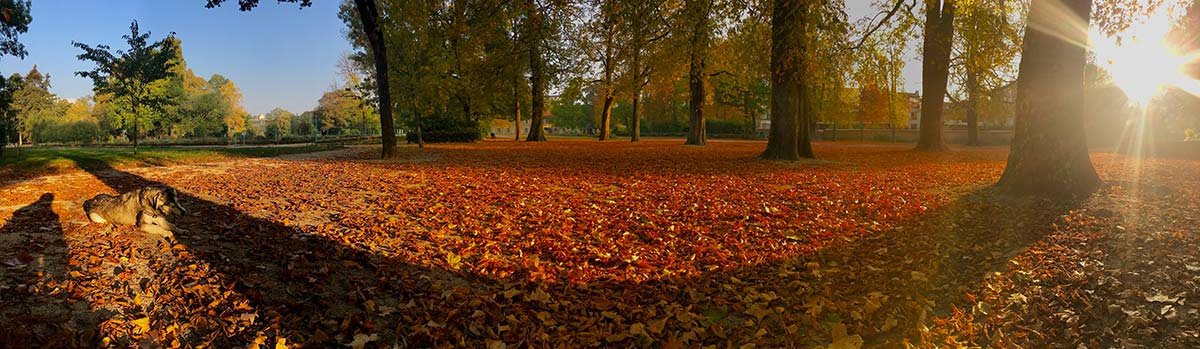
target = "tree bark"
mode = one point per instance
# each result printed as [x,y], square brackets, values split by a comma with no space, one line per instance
[1049,155]
[537,74]
[606,118]
[697,133]
[935,71]
[368,13]
[788,138]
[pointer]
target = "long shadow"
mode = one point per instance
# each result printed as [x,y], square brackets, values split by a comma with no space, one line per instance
[35,276]
[285,282]
[949,252]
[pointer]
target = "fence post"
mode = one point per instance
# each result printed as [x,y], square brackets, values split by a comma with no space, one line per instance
[893,133]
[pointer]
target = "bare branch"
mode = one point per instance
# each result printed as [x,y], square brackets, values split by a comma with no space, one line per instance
[889,14]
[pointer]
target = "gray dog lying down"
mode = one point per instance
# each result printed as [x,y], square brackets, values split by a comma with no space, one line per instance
[148,208]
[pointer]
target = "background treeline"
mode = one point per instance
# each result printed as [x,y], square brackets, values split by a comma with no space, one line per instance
[198,111]
[612,64]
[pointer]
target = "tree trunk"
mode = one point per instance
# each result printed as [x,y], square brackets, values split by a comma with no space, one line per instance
[935,71]
[972,109]
[636,128]
[1049,154]
[368,13]
[420,138]
[537,73]
[607,85]
[788,138]
[466,101]
[517,111]
[134,109]
[606,118]
[697,133]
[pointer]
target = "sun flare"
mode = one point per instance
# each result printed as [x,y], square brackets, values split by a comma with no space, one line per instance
[1144,64]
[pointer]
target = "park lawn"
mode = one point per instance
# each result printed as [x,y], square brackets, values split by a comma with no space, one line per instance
[575,243]
[41,161]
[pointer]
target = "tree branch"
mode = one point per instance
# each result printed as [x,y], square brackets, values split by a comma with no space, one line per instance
[891,13]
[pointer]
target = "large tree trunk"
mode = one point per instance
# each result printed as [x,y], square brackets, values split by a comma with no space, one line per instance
[972,108]
[607,85]
[606,118]
[1049,154]
[368,13]
[935,71]
[788,138]
[697,133]
[537,78]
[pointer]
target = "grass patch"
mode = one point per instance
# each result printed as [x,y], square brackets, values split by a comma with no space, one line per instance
[42,161]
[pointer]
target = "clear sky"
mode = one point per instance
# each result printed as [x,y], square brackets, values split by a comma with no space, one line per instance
[278,54]
[860,9]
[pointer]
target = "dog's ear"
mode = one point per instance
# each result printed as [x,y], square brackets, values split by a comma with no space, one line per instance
[173,199]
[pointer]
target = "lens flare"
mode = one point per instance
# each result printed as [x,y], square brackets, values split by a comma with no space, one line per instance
[1144,63]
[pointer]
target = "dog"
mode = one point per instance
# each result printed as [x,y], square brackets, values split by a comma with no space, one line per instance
[147,208]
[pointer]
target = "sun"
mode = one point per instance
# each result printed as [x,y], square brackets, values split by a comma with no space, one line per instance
[1144,64]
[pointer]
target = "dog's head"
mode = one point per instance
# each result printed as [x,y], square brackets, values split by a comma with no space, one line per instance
[162,200]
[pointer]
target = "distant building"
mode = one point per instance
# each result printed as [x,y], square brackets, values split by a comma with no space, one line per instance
[996,113]
[914,109]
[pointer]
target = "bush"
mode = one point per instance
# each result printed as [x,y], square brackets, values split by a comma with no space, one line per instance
[467,136]
[729,127]
[71,132]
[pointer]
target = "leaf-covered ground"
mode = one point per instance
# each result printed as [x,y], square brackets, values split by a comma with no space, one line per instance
[581,243]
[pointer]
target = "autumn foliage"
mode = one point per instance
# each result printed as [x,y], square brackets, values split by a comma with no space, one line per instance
[559,244]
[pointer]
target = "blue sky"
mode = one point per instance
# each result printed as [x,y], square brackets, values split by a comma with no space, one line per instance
[278,54]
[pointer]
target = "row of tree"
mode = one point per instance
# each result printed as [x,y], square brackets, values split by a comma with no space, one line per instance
[148,91]
[473,60]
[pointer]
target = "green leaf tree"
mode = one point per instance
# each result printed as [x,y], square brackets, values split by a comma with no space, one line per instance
[14,20]
[130,74]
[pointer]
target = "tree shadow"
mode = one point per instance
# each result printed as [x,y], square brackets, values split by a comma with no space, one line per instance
[272,280]
[35,301]
[944,257]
